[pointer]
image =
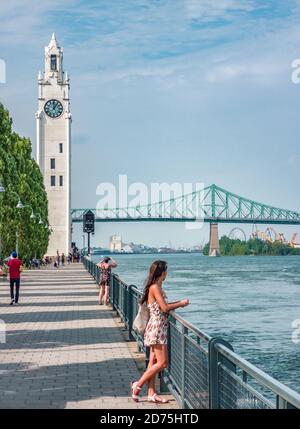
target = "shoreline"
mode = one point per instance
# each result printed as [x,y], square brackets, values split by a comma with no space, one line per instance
[188,253]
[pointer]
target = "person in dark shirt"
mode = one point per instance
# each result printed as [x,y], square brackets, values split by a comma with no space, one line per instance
[14,268]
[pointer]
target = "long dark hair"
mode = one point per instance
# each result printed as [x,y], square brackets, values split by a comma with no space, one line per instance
[156,270]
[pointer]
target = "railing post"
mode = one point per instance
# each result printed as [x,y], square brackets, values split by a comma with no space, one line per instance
[124,302]
[163,388]
[213,359]
[280,402]
[97,275]
[117,290]
[283,404]
[125,305]
[112,291]
[184,332]
[147,356]
[130,311]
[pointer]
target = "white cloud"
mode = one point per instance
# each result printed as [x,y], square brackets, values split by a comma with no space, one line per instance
[134,70]
[213,9]
[260,71]
[21,22]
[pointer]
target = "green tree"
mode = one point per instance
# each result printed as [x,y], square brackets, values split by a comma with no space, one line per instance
[19,174]
[253,246]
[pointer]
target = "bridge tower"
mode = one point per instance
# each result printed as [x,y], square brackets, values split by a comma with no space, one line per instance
[53,131]
[214,245]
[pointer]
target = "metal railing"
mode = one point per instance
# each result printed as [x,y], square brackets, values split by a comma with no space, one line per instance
[203,372]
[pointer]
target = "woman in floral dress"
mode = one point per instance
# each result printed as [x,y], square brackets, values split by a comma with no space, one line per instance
[156,332]
[105,275]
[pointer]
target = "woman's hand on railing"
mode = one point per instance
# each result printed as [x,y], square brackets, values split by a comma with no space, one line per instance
[178,304]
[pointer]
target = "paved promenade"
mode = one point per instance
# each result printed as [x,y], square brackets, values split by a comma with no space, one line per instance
[62,349]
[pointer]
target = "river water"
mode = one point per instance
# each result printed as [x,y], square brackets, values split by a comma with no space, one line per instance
[251,301]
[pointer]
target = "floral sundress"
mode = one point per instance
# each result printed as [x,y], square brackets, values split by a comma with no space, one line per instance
[156,331]
[105,275]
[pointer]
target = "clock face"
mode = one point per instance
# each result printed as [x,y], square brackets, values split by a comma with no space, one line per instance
[53,108]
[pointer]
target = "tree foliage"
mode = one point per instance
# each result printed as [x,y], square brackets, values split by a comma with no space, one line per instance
[254,246]
[20,174]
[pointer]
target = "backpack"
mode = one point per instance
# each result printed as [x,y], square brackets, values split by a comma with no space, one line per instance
[141,320]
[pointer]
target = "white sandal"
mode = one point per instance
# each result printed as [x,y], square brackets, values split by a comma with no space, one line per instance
[134,387]
[153,398]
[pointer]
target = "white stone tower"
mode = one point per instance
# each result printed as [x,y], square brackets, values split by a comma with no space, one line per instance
[53,127]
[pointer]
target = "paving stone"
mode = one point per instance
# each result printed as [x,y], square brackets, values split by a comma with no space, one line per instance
[63,350]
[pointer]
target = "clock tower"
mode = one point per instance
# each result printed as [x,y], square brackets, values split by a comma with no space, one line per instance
[53,134]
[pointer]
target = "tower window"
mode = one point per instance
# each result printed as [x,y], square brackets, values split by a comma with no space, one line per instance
[52,163]
[61,180]
[53,60]
[52,180]
[60,148]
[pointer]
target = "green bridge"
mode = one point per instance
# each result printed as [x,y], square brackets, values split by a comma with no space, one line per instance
[212,204]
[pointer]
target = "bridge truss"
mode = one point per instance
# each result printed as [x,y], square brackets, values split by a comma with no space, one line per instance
[211,204]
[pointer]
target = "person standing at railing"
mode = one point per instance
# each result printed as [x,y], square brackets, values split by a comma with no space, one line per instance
[105,276]
[156,332]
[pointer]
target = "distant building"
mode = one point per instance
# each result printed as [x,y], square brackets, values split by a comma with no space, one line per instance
[115,244]
[127,249]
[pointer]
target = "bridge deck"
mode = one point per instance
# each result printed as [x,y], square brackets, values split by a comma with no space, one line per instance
[62,349]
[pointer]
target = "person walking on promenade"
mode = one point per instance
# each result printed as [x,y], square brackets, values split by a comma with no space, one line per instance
[105,275]
[57,258]
[156,332]
[63,258]
[14,268]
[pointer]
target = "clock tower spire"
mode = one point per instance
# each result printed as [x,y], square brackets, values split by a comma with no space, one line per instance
[53,132]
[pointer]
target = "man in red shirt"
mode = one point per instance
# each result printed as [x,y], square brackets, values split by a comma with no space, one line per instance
[14,267]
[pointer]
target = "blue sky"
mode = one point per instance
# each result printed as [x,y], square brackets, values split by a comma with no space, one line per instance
[166,91]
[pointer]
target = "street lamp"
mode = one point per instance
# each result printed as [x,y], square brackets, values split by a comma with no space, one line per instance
[20,205]
[43,223]
[40,221]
